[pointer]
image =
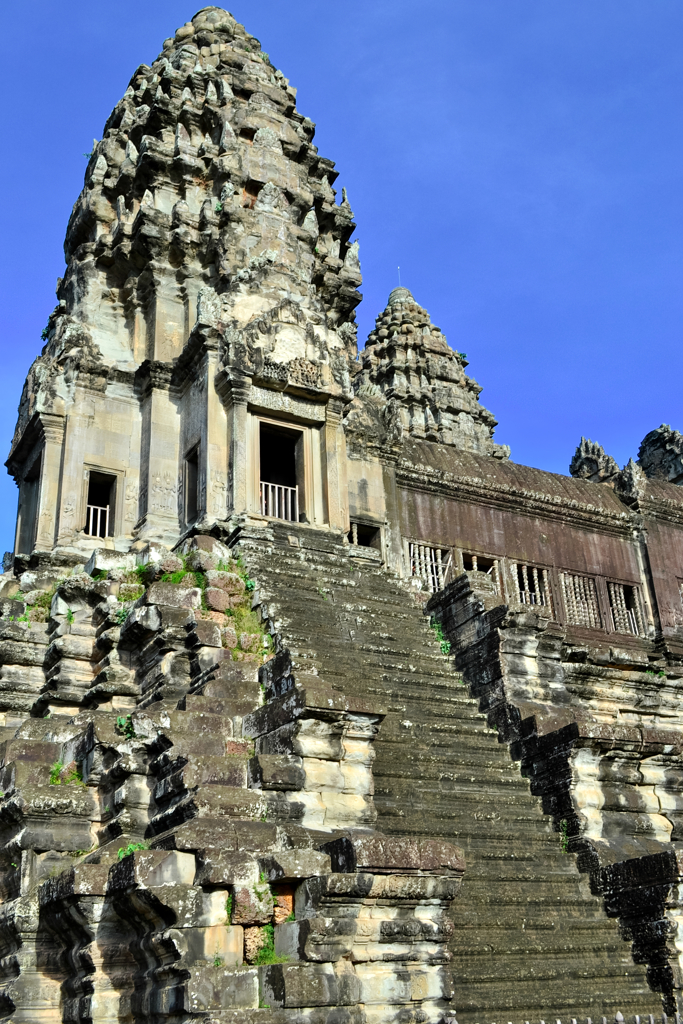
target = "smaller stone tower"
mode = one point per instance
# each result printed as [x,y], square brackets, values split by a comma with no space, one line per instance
[407,358]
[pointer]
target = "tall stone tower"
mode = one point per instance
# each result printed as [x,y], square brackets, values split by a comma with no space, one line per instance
[207,304]
[285,619]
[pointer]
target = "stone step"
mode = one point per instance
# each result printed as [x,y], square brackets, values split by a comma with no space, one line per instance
[445,774]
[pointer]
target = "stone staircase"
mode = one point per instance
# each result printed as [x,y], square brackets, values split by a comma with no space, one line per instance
[529,939]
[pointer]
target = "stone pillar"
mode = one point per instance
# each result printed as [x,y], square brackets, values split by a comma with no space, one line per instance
[334,466]
[234,391]
[52,428]
[159,461]
[392,539]
[215,452]
[169,332]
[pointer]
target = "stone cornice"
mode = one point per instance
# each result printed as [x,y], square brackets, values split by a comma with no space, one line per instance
[153,375]
[522,502]
[201,342]
[233,387]
[43,426]
[661,509]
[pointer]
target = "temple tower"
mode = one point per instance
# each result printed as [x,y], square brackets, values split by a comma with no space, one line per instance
[197,363]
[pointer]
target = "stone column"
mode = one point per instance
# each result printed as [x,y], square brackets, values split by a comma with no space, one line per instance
[234,391]
[215,452]
[159,460]
[52,428]
[169,332]
[334,466]
[392,538]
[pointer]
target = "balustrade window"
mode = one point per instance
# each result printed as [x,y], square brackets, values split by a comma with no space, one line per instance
[430,564]
[624,603]
[101,505]
[481,563]
[531,585]
[580,600]
[365,536]
[281,472]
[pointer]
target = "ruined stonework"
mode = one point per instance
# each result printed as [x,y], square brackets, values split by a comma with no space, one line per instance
[314,706]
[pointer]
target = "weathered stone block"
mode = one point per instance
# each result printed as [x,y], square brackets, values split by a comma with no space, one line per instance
[222,988]
[230,582]
[103,559]
[217,600]
[293,985]
[292,865]
[277,771]
[174,594]
[253,904]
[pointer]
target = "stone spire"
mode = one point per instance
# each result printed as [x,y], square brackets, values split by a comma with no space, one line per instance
[206,251]
[591,462]
[205,179]
[408,359]
[660,455]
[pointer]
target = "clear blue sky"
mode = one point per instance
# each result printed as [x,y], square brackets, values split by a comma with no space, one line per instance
[520,160]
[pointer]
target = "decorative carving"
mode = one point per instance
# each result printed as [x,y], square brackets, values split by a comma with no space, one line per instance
[631,483]
[591,462]
[131,503]
[164,493]
[660,455]
[209,308]
[218,493]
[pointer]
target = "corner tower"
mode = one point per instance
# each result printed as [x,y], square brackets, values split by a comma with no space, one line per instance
[207,305]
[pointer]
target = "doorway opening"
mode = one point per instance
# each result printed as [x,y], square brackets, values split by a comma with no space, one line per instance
[28,508]
[100,508]
[191,482]
[281,453]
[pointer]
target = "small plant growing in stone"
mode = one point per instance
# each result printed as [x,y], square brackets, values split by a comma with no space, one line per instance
[228,908]
[124,725]
[219,206]
[444,644]
[564,837]
[263,888]
[217,960]
[65,775]
[121,615]
[69,616]
[125,851]
[45,333]
[267,954]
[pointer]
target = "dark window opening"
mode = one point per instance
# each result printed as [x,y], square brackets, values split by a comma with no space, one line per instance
[191,482]
[99,514]
[627,615]
[28,507]
[365,536]
[281,472]
[477,563]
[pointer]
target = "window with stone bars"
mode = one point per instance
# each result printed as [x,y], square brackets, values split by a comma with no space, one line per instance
[482,563]
[580,600]
[430,564]
[625,606]
[531,585]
